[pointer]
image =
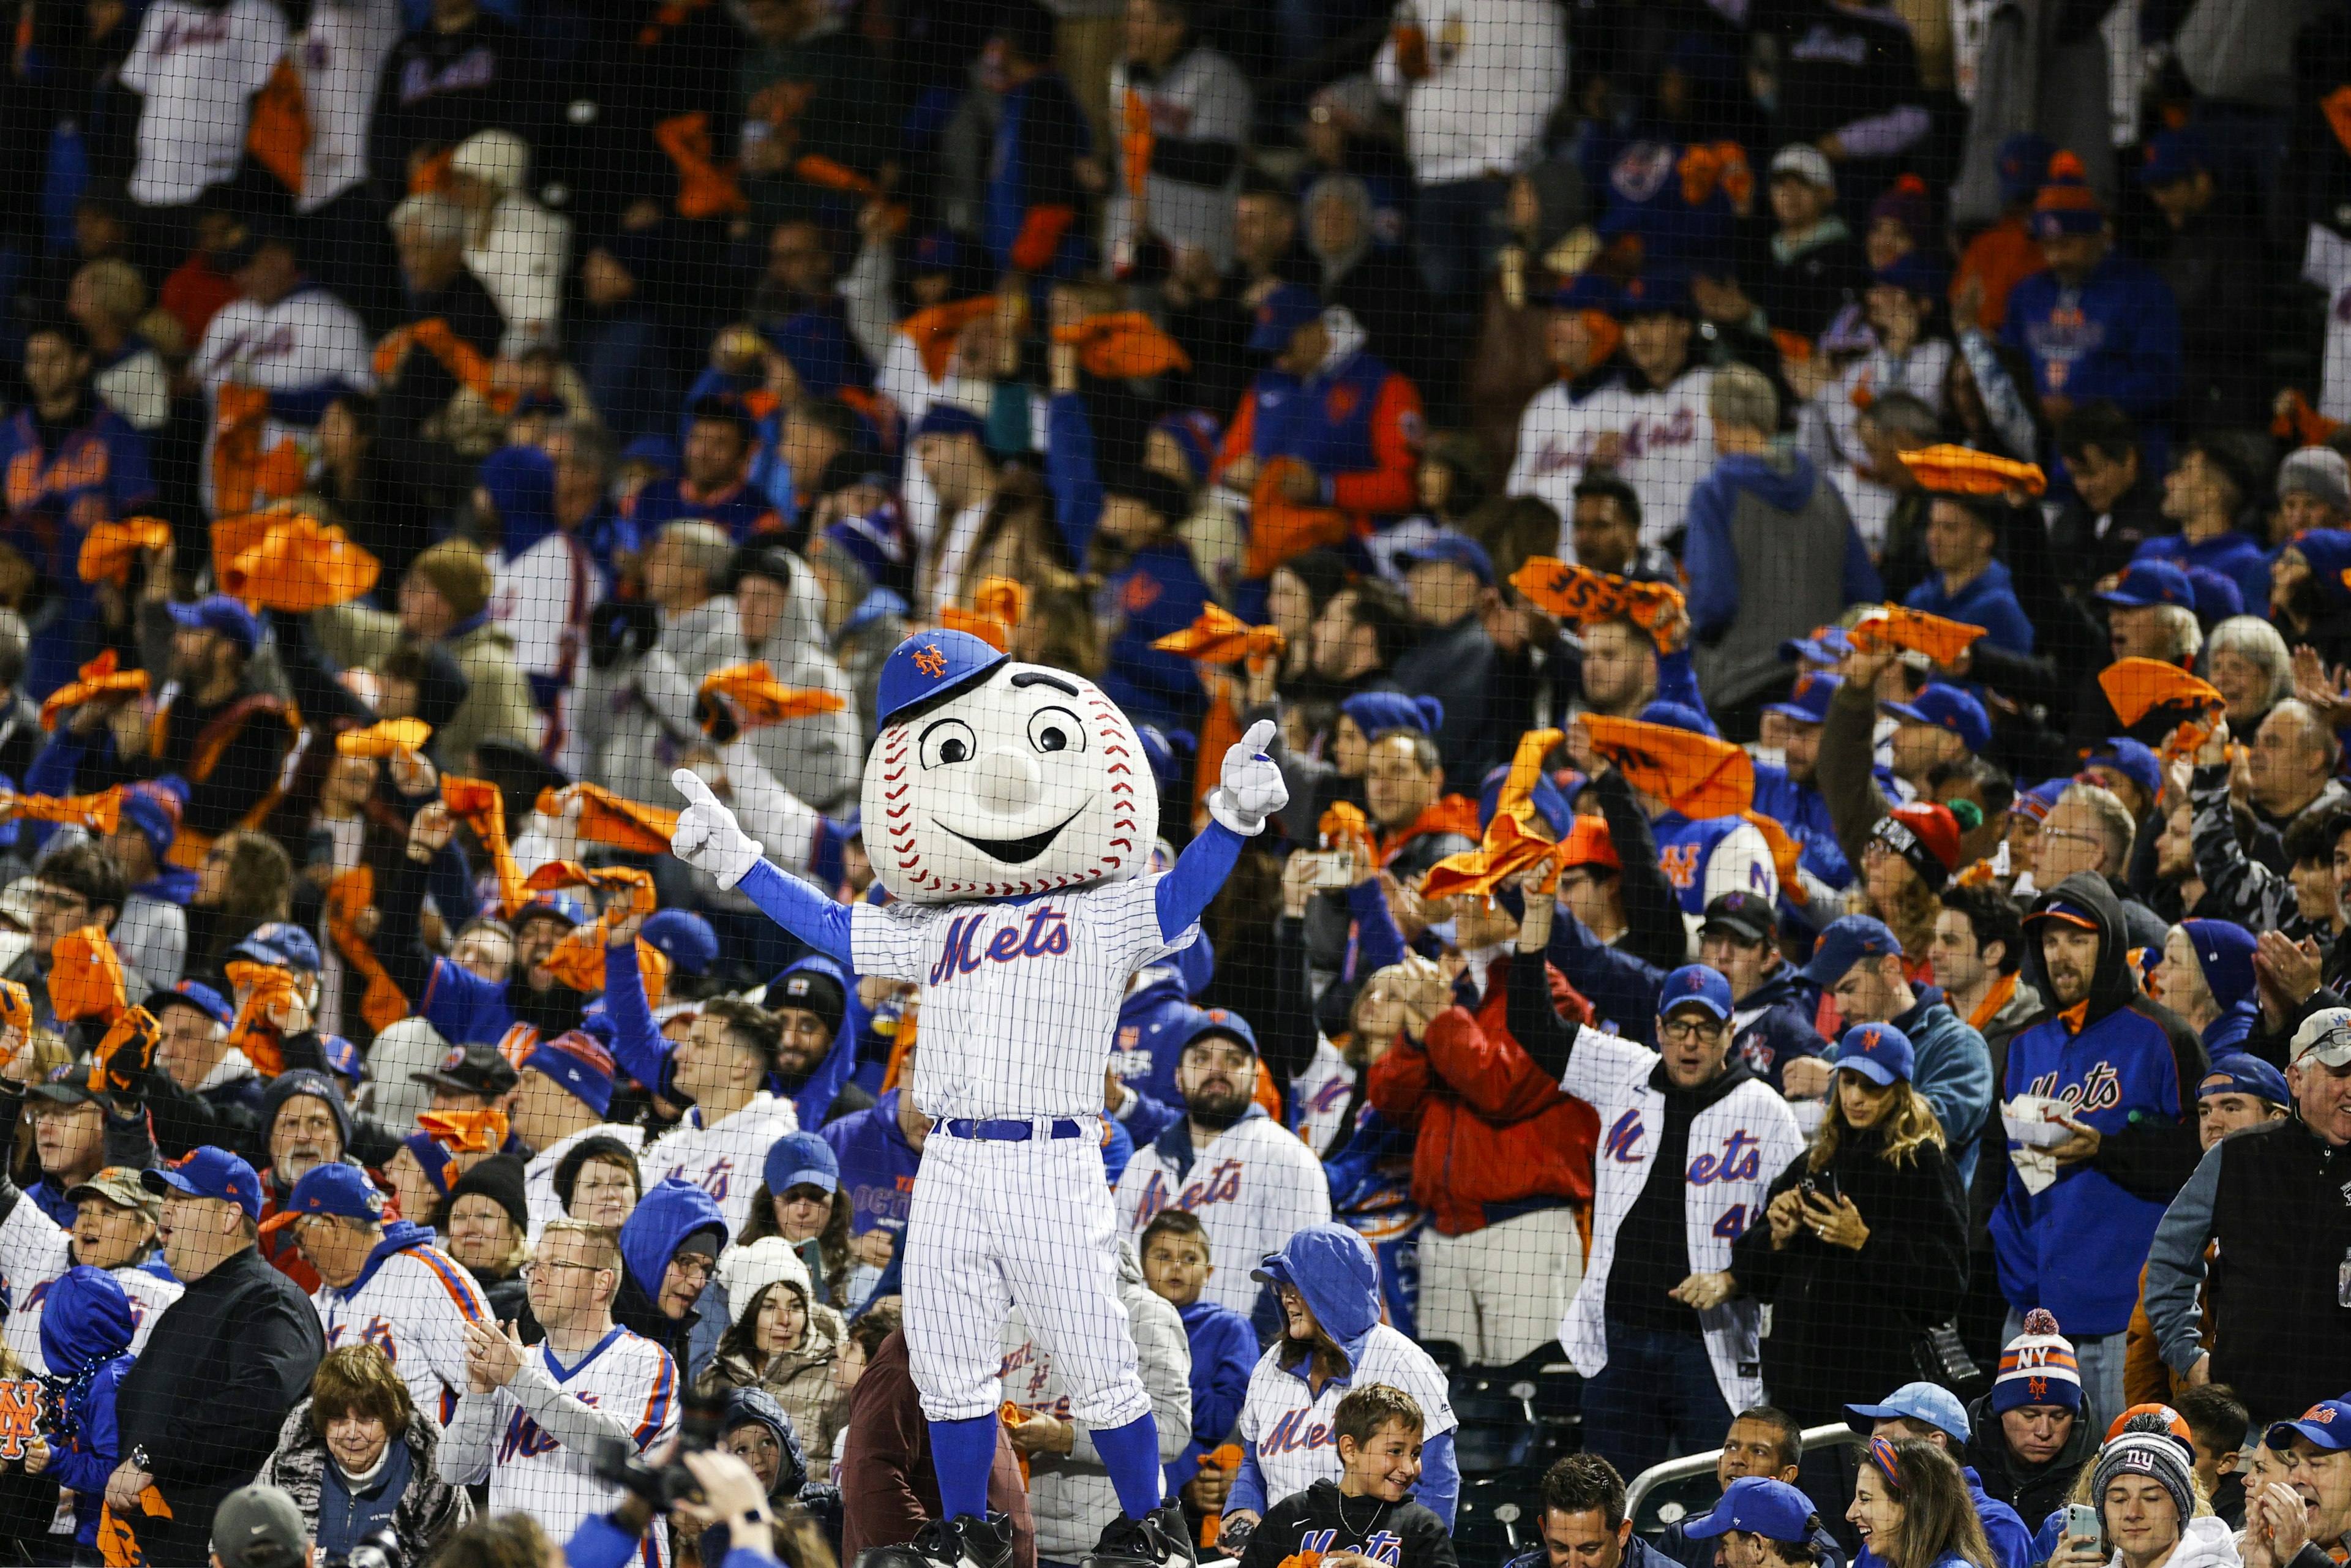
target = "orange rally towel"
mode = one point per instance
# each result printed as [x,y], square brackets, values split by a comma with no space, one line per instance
[1899,626]
[1123,344]
[1961,471]
[388,739]
[86,977]
[608,818]
[1697,775]
[98,678]
[477,803]
[102,812]
[465,1132]
[301,565]
[1218,636]
[759,699]
[113,545]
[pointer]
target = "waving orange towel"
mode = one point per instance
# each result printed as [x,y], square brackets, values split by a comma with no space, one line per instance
[608,818]
[2137,687]
[1697,775]
[1898,626]
[1515,839]
[933,331]
[393,736]
[1961,471]
[577,961]
[759,699]
[98,678]
[1580,594]
[1218,636]
[572,873]
[102,812]
[1123,344]
[382,1003]
[465,1132]
[477,803]
[265,986]
[300,565]
[86,977]
[114,544]
[1343,825]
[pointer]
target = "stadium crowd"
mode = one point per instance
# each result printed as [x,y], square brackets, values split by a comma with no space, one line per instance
[1799,554]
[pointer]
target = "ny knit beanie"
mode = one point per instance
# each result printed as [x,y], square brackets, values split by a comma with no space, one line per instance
[2147,1447]
[2037,1367]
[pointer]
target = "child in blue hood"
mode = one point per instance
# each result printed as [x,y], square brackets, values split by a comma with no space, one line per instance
[1332,1341]
[85,1339]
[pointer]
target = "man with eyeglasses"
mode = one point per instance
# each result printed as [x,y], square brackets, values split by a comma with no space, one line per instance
[74,887]
[1689,1141]
[385,1284]
[2273,1197]
[531,1419]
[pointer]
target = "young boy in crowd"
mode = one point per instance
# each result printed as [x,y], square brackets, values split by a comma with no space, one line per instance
[1175,1265]
[2216,1421]
[1378,1429]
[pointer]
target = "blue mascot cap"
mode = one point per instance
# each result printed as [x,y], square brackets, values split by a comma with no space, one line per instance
[932,664]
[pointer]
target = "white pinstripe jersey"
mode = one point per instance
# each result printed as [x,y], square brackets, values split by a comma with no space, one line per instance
[1019,998]
[629,1376]
[35,1253]
[413,1306]
[1289,1428]
[724,1161]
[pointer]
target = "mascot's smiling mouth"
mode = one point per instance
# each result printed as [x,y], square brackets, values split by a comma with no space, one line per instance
[1016,851]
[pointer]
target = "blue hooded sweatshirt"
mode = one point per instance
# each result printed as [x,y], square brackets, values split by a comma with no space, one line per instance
[1332,1268]
[673,1211]
[1987,601]
[1152,1025]
[1711,562]
[815,1097]
[85,1339]
[1224,1353]
[877,1166]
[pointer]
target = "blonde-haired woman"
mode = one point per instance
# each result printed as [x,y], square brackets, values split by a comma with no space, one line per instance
[1862,1241]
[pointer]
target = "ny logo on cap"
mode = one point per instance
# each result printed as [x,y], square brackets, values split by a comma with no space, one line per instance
[930,661]
[1869,1038]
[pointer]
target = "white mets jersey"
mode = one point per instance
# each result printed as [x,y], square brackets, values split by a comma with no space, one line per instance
[626,1386]
[1252,1188]
[413,1304]
[35,1253]
[1020,1000]
[727,1161]
[1289,1428]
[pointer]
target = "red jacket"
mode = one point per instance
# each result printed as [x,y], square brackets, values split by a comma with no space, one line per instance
[1494,1128]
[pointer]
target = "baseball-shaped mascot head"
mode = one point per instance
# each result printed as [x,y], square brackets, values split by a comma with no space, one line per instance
[992,778]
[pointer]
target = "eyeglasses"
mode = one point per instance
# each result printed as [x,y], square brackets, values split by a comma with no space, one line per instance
[2049,832]
[693,1266]
[536,1269]
[1706,1029]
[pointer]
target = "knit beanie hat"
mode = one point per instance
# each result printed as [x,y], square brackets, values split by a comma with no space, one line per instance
[1928,836]
[2037,1367]
[458,574]
[2149,1446]
[499,1178]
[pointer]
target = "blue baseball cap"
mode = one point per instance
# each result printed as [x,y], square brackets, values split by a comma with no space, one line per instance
[1217,1021]
[1280,314]
[1848,940]
[1695,985]
[2148,582]
[931,665]
[2234,1072]
[579,1064]
[2171,156]
[1588,292]
[948,419]
[1914,272]
[1549,802]
[2327,1423]
[1809,702]
[1657,294]
[282,943]
[1879,1052]
[2217,597]
[684,938]
[2023,164]
[192,994]
[801,1159]
[1930,1403]
[1759,1506]
[1947,707]
[2134,760]
[338,1189]
[2224,951]
[208,1172]
[153,807]
[343,1058]
[1376,713]
[1825,646]
[555,905]
[1455,550]
[219,612]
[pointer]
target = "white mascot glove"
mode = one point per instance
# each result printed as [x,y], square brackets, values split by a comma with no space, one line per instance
[1251,788]
[708,838]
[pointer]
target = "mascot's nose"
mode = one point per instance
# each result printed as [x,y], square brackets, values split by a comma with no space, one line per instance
[1008,783]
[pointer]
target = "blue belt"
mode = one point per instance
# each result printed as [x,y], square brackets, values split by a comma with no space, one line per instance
[1008,1132]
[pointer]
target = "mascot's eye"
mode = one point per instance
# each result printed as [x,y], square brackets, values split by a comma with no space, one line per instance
[948,741]
[1056,729]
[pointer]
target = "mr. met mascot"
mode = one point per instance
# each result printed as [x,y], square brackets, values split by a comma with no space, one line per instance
[1010,810]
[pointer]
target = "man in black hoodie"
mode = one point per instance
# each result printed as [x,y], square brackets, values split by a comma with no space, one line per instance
[202,1407]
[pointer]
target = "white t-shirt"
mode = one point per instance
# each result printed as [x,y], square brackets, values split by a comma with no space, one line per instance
[1667,440]
[341,56]
[1253,1187]
[198,68]
[414,1307]
[728,1160]
[1019,1000]
[35,1253]
[1290,1429]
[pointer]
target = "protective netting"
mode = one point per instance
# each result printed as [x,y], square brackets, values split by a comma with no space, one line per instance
[1598,745]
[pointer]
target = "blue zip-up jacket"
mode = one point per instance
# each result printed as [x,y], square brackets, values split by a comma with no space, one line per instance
[2011,1542]
[85,1339]
[1773,1025]
[1333,1269]
[1159,592]
[2235,555]
[2129,1068]
[1224,1353]
[2116,337]
[877,1166]
[1799,808]
[1621,988]
[1712,564]
[1989,601]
